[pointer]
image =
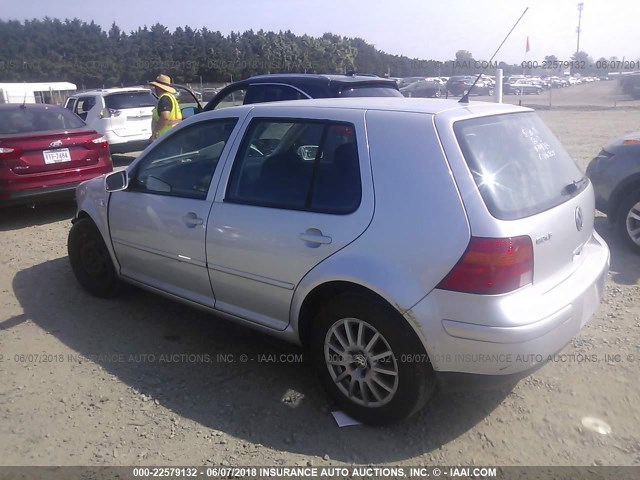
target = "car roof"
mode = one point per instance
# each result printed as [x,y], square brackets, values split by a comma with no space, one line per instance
[314,77]
[398,104]
[108,91]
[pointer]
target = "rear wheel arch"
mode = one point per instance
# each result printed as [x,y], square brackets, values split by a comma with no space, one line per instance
[323,293]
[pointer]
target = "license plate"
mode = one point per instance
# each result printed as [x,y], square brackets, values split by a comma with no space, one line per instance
[56,156]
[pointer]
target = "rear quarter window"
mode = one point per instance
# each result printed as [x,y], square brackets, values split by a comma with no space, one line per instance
[519,166]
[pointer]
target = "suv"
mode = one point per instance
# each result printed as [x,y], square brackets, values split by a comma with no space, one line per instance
[122,115]
[298,86]
[406,242]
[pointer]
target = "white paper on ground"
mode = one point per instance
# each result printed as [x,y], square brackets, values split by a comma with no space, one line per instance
[344,420]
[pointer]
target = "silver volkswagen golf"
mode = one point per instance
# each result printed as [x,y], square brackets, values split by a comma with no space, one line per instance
[408,243]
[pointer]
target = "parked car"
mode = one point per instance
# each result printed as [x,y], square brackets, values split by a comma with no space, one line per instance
[615,173]
[299,86]
[458,85]
[269,216]
[523,87]
[405,82]
[209,93]
[557,82]
[122,115]
[630,85]
[45,152]
[424,89]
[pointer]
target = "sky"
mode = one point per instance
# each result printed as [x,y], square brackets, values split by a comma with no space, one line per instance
[424,29]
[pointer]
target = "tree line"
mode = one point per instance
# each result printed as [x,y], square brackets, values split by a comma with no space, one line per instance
[85,54]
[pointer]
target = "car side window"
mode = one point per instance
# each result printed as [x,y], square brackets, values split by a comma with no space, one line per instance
[299,165]
[71,103]
[84,105]
[232,99]
[183,164]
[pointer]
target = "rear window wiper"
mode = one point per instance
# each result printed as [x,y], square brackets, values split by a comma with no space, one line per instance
[575,186]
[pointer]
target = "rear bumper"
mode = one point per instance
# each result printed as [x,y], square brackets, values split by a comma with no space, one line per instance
[129,146]
[47,187]
[21,197]
[515,333]
[127,143]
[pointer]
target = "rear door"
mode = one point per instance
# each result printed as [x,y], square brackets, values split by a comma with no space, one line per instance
[299,190]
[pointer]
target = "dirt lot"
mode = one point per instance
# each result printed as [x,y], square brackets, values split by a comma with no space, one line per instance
[88,381]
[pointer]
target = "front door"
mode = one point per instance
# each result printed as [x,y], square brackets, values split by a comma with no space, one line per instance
[158,225]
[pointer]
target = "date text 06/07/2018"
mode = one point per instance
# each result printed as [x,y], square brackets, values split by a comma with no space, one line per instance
[581,64]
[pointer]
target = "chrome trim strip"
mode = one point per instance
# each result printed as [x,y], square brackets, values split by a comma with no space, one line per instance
[251,276]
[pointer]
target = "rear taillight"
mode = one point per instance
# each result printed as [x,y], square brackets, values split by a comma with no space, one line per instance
[100,142]
[7,153]
[492,266]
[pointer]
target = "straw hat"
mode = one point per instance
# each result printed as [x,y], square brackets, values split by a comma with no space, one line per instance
[163,82]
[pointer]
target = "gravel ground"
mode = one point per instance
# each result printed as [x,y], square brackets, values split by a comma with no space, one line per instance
[142,380]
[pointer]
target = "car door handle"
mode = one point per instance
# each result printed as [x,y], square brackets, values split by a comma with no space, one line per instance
[192,220]
[314,237]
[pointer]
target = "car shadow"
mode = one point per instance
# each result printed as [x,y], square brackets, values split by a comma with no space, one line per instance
[625,264]
[192,363]
[22,216]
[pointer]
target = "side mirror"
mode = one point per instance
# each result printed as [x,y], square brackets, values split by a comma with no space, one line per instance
[190,111]
[116,181]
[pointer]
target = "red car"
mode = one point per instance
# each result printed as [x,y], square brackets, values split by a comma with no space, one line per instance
[45,152]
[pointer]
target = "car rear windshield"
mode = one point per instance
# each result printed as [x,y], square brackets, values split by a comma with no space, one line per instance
[29,120]
[520,167]
[370,91]
[120,101]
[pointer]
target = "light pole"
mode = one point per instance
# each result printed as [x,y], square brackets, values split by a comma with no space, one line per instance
[580,7]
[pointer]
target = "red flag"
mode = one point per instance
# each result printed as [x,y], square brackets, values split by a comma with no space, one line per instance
[528,46]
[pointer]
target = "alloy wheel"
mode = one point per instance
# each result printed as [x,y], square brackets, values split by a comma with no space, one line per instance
[633,223]
[361,362]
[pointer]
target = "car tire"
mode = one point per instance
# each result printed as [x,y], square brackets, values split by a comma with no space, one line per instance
[490,92]
[628,219]
[405,379]
[90,260]
[516,91]
[437,94]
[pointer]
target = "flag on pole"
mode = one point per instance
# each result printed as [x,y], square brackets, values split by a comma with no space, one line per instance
[528,46]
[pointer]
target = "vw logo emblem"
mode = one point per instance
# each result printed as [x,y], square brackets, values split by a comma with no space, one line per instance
[57,143]
[579,219]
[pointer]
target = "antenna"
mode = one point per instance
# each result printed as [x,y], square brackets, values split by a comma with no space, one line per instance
[24,101]
[465,97]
